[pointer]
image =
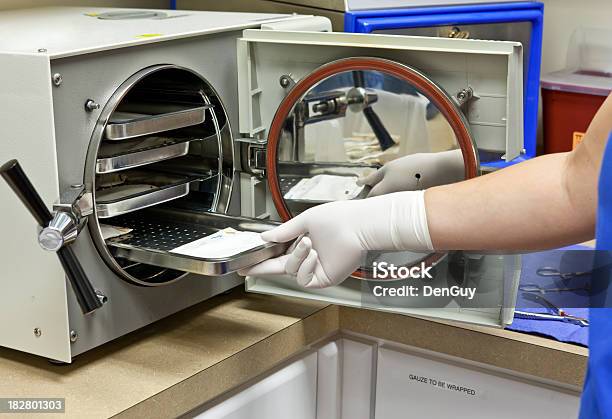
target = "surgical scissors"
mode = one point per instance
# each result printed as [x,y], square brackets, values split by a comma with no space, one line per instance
[578,321]
[558,313]
[537,288]
[548,271]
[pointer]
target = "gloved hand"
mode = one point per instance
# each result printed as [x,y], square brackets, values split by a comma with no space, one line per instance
[415,172]
[336,235]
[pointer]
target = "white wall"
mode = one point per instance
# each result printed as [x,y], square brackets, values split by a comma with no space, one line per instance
[561,18]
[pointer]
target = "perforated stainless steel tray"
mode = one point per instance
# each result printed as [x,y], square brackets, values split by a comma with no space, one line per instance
[157,231]
[114,157]
[124,125]
[288,182]
[141,189]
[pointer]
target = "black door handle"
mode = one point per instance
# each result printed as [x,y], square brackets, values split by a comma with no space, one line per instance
[378,128]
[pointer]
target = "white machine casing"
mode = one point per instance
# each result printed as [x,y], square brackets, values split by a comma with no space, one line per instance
[45,125]
[46,128]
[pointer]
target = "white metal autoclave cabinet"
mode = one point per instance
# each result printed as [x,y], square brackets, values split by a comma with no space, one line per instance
[156,123]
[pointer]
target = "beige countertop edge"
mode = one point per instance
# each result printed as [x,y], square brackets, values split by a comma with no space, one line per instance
[179,363]
[239,368]
[144,364]
[524,354]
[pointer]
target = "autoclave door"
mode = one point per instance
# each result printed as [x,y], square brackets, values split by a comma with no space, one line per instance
[328,108]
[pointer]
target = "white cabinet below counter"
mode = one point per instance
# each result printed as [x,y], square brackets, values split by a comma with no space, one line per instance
[435,390]
[357,379]
[290,392]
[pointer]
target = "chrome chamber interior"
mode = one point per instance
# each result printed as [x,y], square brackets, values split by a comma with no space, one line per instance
[162,143]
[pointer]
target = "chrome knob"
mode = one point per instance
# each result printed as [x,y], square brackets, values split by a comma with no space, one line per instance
[50,240]
[91,105]
[61,230]
[359,98]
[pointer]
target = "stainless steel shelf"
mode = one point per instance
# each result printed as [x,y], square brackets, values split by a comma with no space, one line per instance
[115,156]
[138,189]
[123,125]
[156,232]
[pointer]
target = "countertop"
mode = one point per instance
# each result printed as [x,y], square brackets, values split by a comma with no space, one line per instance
[183,361]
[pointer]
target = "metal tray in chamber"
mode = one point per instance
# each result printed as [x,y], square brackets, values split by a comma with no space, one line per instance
[116,156]
[132,190]
[155,232]
[125,124]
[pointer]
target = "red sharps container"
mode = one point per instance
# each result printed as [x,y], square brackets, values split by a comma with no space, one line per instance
[571,97]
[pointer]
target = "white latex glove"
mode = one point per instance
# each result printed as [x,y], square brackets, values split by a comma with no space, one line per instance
[336,235]
[415,172]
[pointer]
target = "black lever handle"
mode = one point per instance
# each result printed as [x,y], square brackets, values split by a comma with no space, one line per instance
[14,175]
[83,290]
[358,80]
[20,184]
[380,131]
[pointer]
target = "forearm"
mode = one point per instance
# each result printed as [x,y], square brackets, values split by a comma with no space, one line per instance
[530,206]
[550,201]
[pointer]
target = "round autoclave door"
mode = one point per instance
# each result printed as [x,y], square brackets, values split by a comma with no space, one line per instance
[351,117]
[161,154]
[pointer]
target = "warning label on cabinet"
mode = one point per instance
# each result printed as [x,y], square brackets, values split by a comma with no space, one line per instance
[445,385]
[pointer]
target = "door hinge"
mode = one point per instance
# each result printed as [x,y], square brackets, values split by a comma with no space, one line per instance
[253,155]
[464,96]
